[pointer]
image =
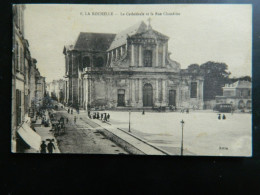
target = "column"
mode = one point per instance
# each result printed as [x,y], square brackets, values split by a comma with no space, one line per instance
[116,54]
[132,55]
[140,56]
[201,90]
[163,91]
[133,92]
[121,51]
[201,94]
[85,93]
[107,58]
[163,56]
[156,55]
[136,90]
[156,91]
[140,96]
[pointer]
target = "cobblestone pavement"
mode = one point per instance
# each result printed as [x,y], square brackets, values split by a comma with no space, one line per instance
[84,137]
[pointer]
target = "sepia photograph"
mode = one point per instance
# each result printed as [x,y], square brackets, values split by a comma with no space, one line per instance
[132,79]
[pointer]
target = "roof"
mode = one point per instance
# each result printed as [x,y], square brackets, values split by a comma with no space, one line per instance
[94,41]
[239,84]
[121,37]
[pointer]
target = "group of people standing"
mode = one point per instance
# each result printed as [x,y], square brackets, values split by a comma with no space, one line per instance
[70,110]
[185,110]
[223,117]
[50,147]
[102,116]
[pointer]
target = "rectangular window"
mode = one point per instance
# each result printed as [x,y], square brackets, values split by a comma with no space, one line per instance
[17,49]
[18,107]
[193,90]
[148,58]
[21,60]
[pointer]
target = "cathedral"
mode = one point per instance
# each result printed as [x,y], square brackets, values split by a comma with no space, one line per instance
[130,69]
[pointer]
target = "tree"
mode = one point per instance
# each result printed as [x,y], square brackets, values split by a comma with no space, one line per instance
[215,77]
[243,78]
[194,68]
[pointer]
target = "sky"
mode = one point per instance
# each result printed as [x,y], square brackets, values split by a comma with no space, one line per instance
[198,33]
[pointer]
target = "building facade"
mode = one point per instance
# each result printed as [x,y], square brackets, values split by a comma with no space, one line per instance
[239,94]
[24,80]
[57,90]
[129,69]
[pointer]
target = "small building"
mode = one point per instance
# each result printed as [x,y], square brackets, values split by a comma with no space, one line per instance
[238,94]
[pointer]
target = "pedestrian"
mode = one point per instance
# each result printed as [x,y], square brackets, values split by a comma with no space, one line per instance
[224,117]
[187,111]
[62,119]
[50,147]
[59,128]
[108,116]
[143,112]
[67,120]
[219,117]
[105,118]
[68,110]
[71,111]
[75,119]
[43,147]
[102,116]
[98,115]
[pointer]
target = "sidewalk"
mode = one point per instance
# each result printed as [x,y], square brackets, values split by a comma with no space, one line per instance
[45,133]
[128,141]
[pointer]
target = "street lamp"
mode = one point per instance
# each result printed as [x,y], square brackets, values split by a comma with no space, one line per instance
[129,130]
[182,124]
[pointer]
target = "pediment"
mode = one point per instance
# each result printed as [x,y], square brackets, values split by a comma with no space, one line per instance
[150,34]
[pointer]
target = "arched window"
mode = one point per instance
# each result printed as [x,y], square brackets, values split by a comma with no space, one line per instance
[241,104]
[249,104]
[99,62]
[86,62]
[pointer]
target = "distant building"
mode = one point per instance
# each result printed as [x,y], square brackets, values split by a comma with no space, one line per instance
[32,84]
[131,68]
[40,89]
[238,94]
[57,89]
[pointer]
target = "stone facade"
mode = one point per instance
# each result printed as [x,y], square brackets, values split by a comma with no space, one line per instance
[239,94]
[132,68]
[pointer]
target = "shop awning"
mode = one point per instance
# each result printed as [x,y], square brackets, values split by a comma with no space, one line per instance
[29,136]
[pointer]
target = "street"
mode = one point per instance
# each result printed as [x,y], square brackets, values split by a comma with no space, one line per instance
[84,137]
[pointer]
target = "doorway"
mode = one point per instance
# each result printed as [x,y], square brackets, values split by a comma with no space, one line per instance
[148,95]
[121,97]
[172,98]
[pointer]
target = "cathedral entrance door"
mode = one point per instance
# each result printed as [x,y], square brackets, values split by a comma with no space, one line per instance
[172,98]
[121,97]
[148,95]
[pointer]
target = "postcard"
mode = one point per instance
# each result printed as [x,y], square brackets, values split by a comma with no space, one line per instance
[164,79]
